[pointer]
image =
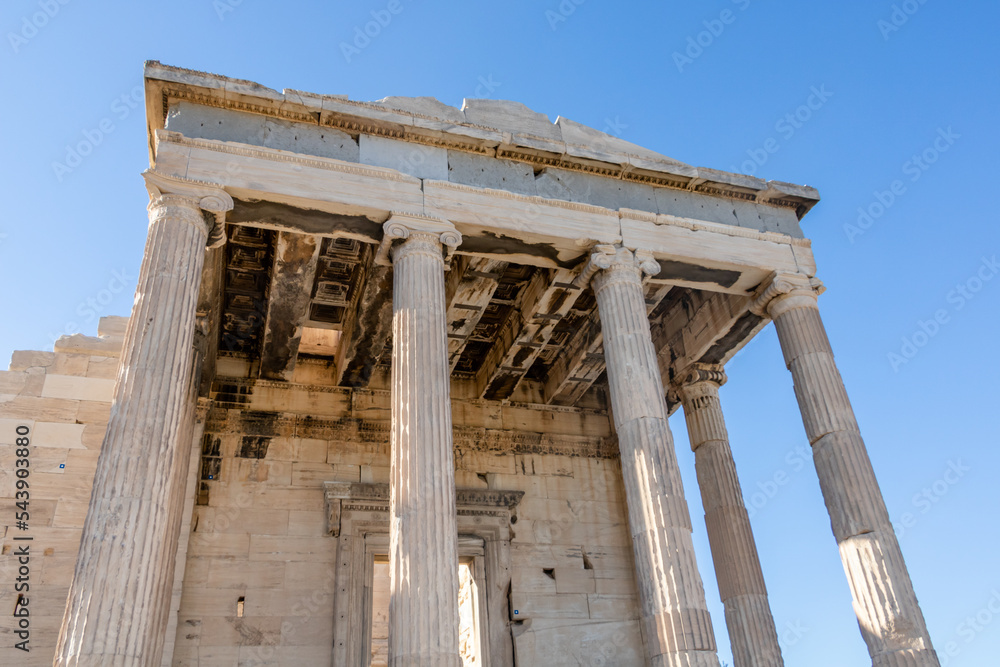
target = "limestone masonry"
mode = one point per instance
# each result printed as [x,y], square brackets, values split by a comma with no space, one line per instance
[395,391]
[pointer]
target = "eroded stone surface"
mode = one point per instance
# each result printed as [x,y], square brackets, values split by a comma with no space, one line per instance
[423,553]
[674,615]
[884,600]
[127,552]
[246,128]
[413,159]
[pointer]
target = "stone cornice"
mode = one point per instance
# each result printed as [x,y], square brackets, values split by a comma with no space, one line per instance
[374,497]
[366,491]
[164,83]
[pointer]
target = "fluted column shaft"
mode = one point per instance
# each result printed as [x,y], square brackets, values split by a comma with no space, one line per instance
[677,629]
[423,549]
[116,612]
[884,600]
[752,634]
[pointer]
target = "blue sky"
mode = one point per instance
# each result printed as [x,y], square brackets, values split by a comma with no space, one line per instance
[902,127]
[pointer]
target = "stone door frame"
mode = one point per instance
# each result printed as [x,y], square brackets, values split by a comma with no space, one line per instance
[358,516]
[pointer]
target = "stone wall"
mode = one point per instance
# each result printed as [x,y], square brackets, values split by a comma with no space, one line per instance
[260,528]
[256,586]
[64,398]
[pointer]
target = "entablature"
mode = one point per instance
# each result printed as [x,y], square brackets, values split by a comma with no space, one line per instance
[492,128]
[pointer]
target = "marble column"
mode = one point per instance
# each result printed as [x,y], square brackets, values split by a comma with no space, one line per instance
[193,479]
[675,623]
[116,612]
[752,634]
[884,601]
[423,541]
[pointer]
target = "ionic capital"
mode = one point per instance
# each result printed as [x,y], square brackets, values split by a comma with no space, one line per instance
[613,259]
[433,232]
[784,291]
[698,380]
[198,196]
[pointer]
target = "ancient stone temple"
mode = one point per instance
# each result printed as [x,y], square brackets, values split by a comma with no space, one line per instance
[395,389]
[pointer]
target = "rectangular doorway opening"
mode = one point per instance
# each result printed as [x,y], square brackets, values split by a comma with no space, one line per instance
[471,606]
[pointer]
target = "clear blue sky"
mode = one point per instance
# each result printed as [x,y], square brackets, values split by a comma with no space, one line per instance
[71,240]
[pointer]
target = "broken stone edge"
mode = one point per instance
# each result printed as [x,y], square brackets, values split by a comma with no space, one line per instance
[430,122]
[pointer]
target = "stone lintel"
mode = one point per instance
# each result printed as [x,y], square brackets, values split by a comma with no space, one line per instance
[375,498]
[503,225]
